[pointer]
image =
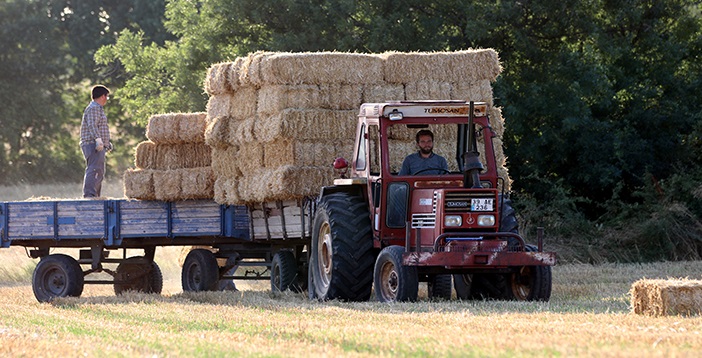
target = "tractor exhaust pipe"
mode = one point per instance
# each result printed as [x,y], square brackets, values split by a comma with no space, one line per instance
[471,158]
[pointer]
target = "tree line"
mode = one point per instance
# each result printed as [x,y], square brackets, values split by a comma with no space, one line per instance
[601,97]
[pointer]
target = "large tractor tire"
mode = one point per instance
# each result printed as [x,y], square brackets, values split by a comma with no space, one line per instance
[342,255]
[200,271]
[283,271]
[393,281]
[531,283]
[57,275]
[439,287]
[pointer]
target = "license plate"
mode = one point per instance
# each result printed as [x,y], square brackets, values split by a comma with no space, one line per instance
[481,204]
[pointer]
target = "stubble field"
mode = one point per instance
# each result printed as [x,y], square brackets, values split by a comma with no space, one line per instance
[589,315]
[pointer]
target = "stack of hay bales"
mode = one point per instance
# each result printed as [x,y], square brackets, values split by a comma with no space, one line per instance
[276,121]
[667,297]
[175,163]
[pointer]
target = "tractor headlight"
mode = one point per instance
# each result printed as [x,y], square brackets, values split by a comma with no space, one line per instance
[453,220]
[486,220]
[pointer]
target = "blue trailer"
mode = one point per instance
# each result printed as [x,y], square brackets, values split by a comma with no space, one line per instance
[273,235]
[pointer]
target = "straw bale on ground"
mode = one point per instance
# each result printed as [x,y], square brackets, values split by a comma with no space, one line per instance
[320,68]
[468,66]
[217,79]
[139,184]
[150,155]
[308,125]
[667,297]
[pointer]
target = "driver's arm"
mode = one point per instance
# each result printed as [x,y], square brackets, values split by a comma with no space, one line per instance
[405,169]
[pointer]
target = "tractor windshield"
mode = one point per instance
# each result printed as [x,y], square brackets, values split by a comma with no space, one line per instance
[402,145]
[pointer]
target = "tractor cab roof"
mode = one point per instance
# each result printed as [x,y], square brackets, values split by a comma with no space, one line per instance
[397,110]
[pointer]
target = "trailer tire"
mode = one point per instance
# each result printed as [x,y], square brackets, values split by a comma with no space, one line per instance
[200,271]
[462,283]
[440,287]
[531,283]
[283,271]
[342,255]
[394,282]
[137,274]
[57,275]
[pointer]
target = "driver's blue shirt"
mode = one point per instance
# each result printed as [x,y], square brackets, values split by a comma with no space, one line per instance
[415,163]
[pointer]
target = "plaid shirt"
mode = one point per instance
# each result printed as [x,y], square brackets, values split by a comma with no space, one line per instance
[94,124]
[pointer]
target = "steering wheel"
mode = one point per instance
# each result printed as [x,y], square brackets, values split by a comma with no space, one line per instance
[428,169]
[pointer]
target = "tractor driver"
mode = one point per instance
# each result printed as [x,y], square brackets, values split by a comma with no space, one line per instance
[424,161]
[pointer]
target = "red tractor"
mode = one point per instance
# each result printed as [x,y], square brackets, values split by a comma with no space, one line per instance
[377,228]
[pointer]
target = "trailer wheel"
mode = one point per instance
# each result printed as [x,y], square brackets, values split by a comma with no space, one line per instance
[439,287]
[342,256]
[200,271]
[283,271]
[531,283]
[138,274]
[57,275]
[462,283]
[393,281]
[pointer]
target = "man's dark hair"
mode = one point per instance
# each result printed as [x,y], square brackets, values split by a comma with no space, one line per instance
[99,91]
[424,132]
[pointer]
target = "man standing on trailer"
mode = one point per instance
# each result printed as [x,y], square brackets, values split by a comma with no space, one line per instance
[424,161]
[95,141]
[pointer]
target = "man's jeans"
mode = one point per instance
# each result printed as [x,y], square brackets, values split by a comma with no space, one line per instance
[94,170]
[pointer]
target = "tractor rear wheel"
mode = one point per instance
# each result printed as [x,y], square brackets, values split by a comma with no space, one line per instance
[283,271]
[439,287]
[200,271]
[57,275]
[531,283]
[394,282]
[138,274]
[341,256]
[462,283]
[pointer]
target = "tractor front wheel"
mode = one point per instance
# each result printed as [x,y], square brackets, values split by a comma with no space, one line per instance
[393,281]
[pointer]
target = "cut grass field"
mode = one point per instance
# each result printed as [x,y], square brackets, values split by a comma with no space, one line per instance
[589,315]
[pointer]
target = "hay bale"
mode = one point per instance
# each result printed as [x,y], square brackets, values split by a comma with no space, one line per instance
[250,70]
[191,127]
[197,183]
[283,152]
[218,106]
[480,91]
[283,183]
[250,157]
[235,73]
[225,162]
[320,68]
[167,184]
[240,104]
[497,122]
[150,155]
[139,184]
[217,79]
[275,98]
[383,93]
[164,128]
[667,297]
[466,66]
[308,125]
[427,89]
[217,131]
[243,131]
